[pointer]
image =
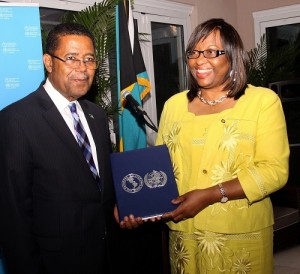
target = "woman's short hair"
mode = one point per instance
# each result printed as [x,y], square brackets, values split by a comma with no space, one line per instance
[236,77]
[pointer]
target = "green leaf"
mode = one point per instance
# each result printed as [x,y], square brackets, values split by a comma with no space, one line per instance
[265,67]
[100,20]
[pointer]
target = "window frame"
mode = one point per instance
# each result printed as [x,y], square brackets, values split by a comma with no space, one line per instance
[147,11]
[274,17]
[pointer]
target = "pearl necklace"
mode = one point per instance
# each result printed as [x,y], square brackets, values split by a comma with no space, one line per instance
[212,102]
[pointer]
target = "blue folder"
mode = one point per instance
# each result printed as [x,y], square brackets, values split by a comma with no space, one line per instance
[144,182]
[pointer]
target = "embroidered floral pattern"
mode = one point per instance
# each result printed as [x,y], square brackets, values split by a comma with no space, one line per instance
[224,172]
[171,140]
[210,242]
[230,137]
[176,171]
[213,251]
[179,254]
[213,254]
[242,265]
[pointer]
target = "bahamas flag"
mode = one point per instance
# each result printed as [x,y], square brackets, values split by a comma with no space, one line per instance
[132,76]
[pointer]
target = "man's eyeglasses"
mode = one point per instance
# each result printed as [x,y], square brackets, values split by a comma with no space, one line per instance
[74,63]
[208,53]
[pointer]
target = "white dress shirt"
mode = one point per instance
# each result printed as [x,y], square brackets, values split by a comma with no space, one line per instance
[62,105]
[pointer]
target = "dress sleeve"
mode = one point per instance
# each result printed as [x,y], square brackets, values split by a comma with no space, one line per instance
[268,171]
[161,127]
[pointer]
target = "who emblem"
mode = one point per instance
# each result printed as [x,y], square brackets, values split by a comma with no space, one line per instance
[155,179]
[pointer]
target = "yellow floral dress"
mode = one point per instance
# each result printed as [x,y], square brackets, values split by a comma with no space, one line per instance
[248,142]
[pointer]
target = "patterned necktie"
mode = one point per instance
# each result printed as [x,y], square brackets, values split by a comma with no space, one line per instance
[84,143]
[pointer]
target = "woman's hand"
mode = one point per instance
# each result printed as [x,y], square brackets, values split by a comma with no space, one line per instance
[190,204]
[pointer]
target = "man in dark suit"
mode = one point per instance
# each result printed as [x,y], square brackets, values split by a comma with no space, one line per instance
[56,214]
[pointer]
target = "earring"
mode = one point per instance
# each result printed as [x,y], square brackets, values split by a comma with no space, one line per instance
[231,74]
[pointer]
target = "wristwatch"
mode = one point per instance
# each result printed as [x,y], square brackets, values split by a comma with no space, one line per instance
[224,198]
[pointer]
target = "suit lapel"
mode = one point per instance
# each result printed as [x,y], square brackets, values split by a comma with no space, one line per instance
[61,129]
[57,123]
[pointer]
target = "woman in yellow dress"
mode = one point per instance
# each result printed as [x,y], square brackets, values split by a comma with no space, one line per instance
[228,144]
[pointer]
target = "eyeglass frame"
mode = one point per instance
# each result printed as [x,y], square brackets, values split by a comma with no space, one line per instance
[218,53]
[78,62]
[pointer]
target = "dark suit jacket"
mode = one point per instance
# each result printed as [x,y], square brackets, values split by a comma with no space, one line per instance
[54,217]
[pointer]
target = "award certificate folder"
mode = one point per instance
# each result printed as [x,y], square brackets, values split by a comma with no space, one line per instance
[144,182]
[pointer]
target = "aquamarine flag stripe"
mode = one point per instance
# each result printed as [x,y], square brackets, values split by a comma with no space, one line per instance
[133,138]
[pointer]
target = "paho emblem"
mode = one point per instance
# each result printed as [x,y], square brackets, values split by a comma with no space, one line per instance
[132,183]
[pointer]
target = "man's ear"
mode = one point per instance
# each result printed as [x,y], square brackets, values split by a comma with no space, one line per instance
[47,62]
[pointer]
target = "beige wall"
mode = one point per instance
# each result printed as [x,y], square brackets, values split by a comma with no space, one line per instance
[236,12]
[206,9]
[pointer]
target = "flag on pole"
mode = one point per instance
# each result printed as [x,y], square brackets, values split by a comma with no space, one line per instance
[132,77]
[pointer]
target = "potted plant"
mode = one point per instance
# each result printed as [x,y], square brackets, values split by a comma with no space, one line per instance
[100,19]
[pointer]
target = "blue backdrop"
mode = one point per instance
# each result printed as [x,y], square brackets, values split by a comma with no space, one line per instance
[21,62]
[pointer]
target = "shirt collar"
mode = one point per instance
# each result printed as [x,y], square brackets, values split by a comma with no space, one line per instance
[58,99]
